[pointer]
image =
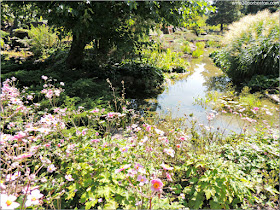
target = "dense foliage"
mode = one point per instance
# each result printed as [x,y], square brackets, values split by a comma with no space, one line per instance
[114,24]
[226,13]
[251,50]
[61,157]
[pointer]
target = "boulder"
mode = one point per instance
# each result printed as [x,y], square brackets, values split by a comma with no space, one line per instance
[20,33]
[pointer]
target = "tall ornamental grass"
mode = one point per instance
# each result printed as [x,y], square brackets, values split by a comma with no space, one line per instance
[251,47]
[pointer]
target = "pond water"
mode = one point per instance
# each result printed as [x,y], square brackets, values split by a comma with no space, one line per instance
[179,96]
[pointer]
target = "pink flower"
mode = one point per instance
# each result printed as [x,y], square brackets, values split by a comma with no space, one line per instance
[137,166]
[84,132]
[95,140]
[142,179]
[166,167]
[33,198]
[164,139]
[48,144]
[168,176]
[94,111]
[49,94]
[22,156]
[110,114]
[69,177]
[178,145]
[122,168]
[148,128]
[256,108]
[156,185]
[211,116]
[124,149]
[182,138]
[7,202]
[19,136]
[131,172]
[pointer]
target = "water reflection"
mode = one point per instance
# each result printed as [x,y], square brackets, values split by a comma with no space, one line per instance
[178,96]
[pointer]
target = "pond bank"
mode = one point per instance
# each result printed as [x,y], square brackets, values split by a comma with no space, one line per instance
[181,97]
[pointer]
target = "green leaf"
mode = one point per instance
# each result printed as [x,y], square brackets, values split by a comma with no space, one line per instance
[209,192]
[214,205]
[90,204]
[111,205]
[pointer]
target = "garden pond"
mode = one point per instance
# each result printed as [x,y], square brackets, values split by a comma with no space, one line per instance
[181,97]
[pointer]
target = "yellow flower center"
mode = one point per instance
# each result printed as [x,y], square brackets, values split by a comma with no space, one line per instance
[8,202]
[33,199]
[156,185]
[142,180]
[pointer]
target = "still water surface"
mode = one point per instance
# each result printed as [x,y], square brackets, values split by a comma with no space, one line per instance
[179,96]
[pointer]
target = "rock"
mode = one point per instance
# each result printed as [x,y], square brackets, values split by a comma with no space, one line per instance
[39,23]
[20,33]
[16,42]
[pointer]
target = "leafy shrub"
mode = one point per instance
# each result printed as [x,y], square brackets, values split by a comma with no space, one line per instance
[3,36]
[251,47]
[199,49]
[139,79]
[200,45]
[186,47]
[167,61]
[41,40]
[198,52]
[213,43]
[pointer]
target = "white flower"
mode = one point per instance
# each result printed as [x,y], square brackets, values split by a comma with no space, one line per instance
[9,178]
[170,152]
[159,132]
[51,168]
[44,77]
[7,202]
[69,177]
[33,198]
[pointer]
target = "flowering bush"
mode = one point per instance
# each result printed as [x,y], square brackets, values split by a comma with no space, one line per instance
[60,157]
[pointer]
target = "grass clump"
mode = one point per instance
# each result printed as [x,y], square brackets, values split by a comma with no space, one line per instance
[251,47]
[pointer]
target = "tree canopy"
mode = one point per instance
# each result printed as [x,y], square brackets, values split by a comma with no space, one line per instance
[114,23]
[226,13]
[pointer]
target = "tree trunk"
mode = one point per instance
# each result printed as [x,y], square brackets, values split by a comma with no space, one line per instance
[76,53]
[222,27]
[15,26]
